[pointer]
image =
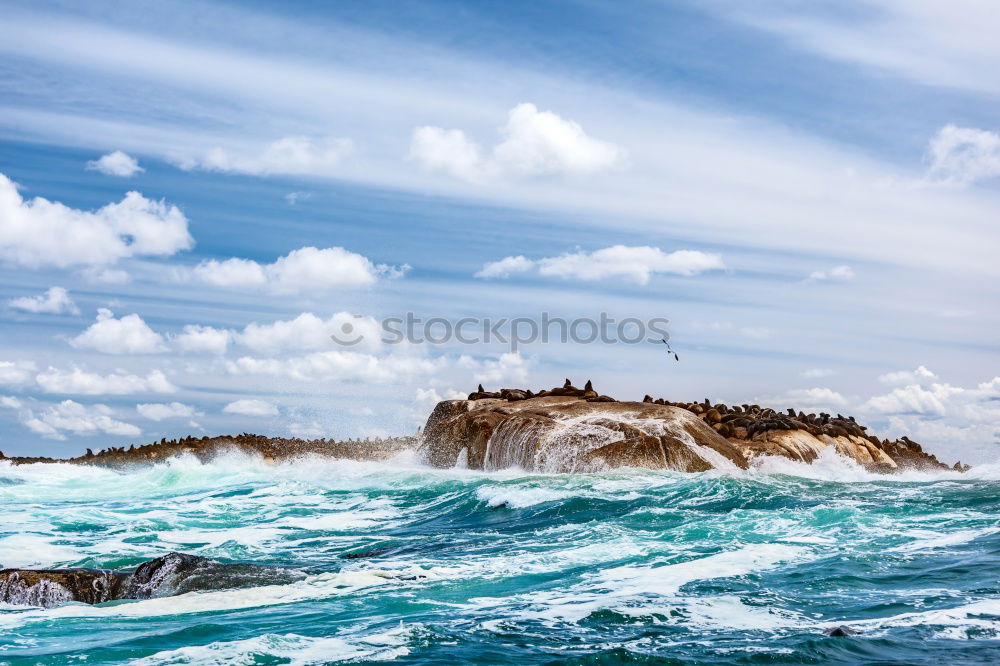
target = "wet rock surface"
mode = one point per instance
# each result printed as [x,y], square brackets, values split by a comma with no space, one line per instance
[172,574]
[568,429]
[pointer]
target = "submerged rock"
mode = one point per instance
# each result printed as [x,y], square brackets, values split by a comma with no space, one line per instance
[51,587]
[172,574]
[842,630]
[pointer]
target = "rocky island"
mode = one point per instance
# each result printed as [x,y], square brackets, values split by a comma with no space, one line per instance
[569,429]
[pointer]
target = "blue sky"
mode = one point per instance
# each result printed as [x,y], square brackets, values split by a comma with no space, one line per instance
[808,191]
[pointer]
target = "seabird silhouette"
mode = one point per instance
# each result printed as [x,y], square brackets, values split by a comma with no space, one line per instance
[669,350]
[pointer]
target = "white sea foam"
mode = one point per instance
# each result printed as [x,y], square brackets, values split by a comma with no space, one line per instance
[297,650]
[930,540]
[313,587]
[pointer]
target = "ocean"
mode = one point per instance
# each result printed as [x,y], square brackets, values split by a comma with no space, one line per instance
[405,564]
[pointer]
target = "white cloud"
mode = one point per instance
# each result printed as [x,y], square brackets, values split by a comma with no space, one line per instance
[508,368]
[914,399]
[98,275]
[79,382]
[430,397]
[756,332]
[251,407]
[951,421]
[128,335]
[950,44]
[16,372]
[293,198]
[290,155]
[232,272]
[907,376]
[159,411]
[299,270]
[533,143]
[196,338]
[447,150]
[335,365]
[70,416]
[311,430]
[46,233]
[116,163]
[636,263]
[506,266]
[835,274]
[964,155]
[54,301]
[815,399]
[309,332]
[818,373]
[10,402]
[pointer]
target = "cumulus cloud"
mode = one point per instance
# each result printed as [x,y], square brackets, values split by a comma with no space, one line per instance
[835,274]
[335,365]
[70,416]
[951,421]
[128,335]
[9,402]
[293,155]
[299,270]
[635,263]
[194,338]
[16,372]
[964,155]
[505,267]
[508,368]
[914,399]
[116,163]
[532,143]
[160,411]
[40,232]
[54,301]
[907,376]
[80,382]
[251,407]
[309,332]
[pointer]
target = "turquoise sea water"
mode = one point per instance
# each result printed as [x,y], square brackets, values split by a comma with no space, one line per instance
[628,566]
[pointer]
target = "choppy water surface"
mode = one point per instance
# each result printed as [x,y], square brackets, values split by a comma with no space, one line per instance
[625,567]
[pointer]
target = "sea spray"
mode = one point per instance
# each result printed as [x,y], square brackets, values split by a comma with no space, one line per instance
[493,567]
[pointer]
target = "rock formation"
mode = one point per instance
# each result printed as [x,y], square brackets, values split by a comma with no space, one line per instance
[568,429]
[206,448]
[174,573]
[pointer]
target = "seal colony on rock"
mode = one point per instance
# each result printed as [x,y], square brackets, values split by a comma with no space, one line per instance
[563,430]
[206,448]
[569,429]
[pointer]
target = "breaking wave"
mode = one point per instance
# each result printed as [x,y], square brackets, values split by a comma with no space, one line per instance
[406,563]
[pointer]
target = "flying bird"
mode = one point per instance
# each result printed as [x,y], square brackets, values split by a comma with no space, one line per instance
[669,350]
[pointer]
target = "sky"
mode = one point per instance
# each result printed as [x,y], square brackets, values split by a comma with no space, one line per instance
[195,196]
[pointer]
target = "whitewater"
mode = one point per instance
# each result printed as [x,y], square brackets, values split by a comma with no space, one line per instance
[403,563]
